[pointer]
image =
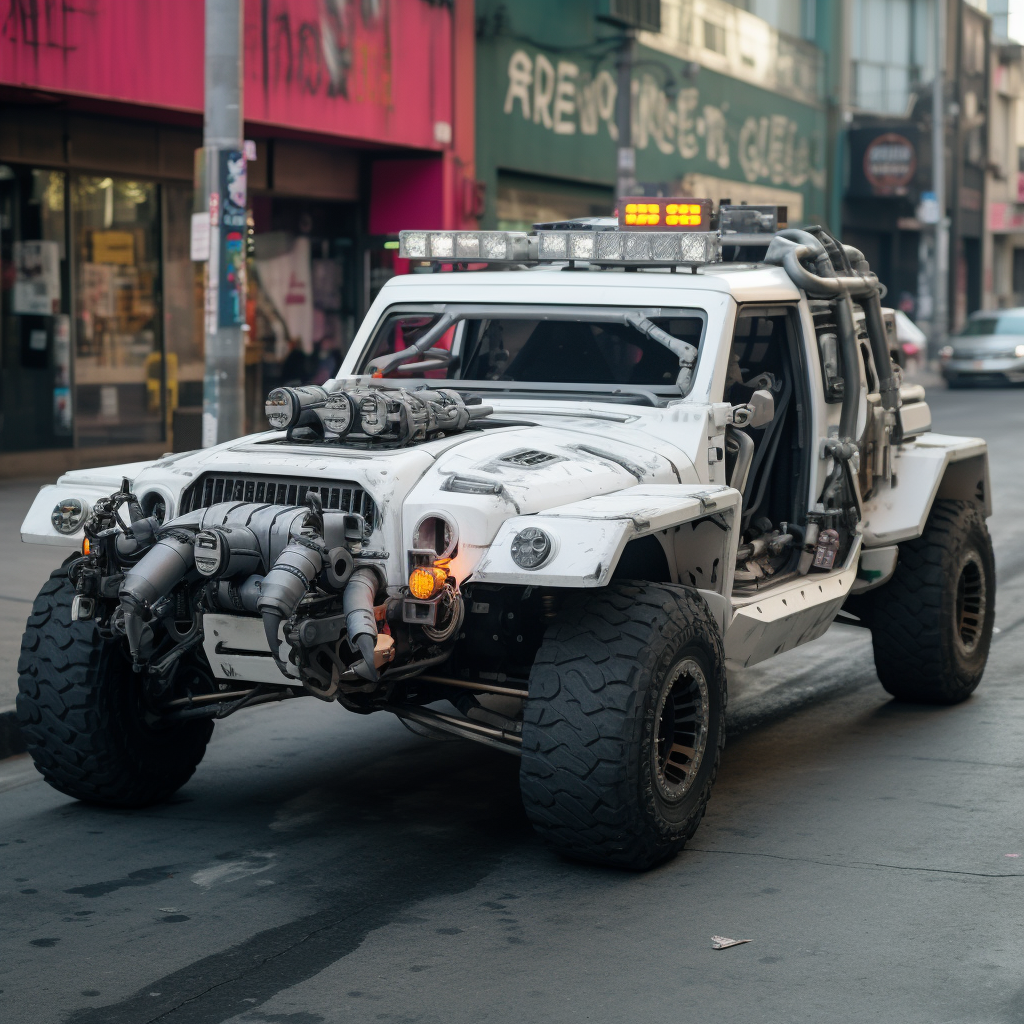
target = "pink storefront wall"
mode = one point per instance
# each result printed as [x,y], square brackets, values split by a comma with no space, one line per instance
[312,65]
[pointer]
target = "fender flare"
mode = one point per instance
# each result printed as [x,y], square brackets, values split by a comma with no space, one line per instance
[589,536]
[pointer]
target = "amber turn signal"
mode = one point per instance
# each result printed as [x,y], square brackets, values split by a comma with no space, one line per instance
[427,580]
[85,546]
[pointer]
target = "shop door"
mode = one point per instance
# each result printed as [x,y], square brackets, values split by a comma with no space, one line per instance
[35,399]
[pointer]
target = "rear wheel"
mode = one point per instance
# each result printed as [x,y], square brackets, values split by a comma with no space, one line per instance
[624,728]
[80,711]
[931,624]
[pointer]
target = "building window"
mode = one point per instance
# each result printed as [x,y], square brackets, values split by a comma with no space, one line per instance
[891,50]
[1018,271]
[714,36]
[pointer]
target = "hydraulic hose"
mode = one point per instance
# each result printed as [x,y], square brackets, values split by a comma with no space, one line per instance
[360,622]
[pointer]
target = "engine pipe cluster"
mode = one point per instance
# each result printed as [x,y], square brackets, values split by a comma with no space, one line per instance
[258,558]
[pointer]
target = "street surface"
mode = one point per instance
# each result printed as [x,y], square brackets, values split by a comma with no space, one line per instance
[323,867]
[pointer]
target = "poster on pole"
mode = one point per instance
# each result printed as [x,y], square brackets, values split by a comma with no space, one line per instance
[231,272]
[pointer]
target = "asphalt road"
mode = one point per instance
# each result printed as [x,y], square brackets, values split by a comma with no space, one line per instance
[323,867]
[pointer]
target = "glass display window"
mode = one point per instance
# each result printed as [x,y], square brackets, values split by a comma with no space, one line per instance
[35,350]
[119,366]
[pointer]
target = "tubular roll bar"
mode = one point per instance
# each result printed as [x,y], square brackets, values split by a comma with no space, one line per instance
[791,249]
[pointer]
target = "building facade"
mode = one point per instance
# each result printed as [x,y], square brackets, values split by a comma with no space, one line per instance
[1004,226]
[888,49]
[360,121]
[725,105]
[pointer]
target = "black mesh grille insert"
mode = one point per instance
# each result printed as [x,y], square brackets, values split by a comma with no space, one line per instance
[276,490]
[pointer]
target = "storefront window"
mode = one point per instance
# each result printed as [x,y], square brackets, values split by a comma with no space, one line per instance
[119,369]
[35,401]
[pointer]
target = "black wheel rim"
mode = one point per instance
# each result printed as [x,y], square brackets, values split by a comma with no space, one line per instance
[683,718]
[970,604]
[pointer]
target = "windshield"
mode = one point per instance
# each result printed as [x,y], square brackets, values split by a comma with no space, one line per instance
[596,349]
[1006,323]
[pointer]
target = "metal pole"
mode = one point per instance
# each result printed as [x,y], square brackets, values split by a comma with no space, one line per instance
[940,315]
[224,379]
[626,173]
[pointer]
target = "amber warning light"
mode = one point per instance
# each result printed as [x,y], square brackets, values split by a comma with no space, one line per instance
[678,214]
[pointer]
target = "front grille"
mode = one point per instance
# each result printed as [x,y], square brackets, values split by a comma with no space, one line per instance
[276,490]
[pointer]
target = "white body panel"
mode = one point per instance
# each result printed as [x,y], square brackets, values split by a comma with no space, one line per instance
[920,470]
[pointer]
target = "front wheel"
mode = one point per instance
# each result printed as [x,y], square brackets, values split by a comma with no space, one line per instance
[80,711]
[931,624]
[625,724]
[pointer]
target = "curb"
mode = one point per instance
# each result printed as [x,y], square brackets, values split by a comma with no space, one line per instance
[11,739]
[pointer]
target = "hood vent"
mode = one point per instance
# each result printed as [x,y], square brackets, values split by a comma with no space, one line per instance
[529,458]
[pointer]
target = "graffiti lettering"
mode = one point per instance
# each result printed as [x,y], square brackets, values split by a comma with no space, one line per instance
[42,23]
[318,56]
[566,99]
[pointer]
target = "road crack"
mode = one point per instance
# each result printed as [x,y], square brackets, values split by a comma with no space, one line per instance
[861,864]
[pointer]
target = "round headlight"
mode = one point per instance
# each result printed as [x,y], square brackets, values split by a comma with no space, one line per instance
[531,548]
[339,414]
[373,414]
[68,515]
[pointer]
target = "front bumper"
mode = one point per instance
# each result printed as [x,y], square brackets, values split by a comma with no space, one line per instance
[993,368]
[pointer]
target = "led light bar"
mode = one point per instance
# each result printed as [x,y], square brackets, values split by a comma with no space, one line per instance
[619,248]
[465,246]
[642,213]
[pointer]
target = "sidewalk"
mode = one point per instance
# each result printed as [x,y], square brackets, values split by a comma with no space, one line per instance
[25,568]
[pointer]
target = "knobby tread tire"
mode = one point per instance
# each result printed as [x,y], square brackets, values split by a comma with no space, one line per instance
[912,617]
[78,713]
[585,776]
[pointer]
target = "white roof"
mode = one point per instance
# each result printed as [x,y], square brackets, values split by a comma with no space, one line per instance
[555,284]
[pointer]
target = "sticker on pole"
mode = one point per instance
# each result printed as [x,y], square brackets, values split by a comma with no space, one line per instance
[199,241]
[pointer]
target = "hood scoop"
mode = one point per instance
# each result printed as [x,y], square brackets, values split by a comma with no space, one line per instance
[528,458]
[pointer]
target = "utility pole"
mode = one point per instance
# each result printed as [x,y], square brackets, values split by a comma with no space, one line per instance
[626,176]
[221,181]
[940,314]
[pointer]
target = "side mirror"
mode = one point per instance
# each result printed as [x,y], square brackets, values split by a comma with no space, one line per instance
[758,412]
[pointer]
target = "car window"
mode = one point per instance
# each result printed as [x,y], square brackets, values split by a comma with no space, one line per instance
[1011,323]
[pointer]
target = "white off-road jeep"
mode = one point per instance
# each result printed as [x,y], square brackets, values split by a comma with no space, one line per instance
[544,506]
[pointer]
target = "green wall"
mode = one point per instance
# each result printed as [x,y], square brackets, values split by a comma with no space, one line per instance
[714,125]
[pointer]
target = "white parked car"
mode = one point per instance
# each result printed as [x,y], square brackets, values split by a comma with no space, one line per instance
[544,507]
[988,349]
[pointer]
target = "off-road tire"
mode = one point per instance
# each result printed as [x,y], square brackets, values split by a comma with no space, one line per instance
[590,768]
[931,624]
[80,712]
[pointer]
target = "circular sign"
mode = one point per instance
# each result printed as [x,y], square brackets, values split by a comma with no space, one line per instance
[889,163]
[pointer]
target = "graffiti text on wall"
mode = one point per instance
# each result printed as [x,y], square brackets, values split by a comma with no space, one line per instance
[565,99]
[317,53]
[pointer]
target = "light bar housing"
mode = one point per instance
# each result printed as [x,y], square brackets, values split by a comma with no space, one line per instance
[751,220]
[629,248]
[464,246]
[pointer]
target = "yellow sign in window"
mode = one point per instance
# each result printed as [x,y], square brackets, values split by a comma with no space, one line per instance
[113,247]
